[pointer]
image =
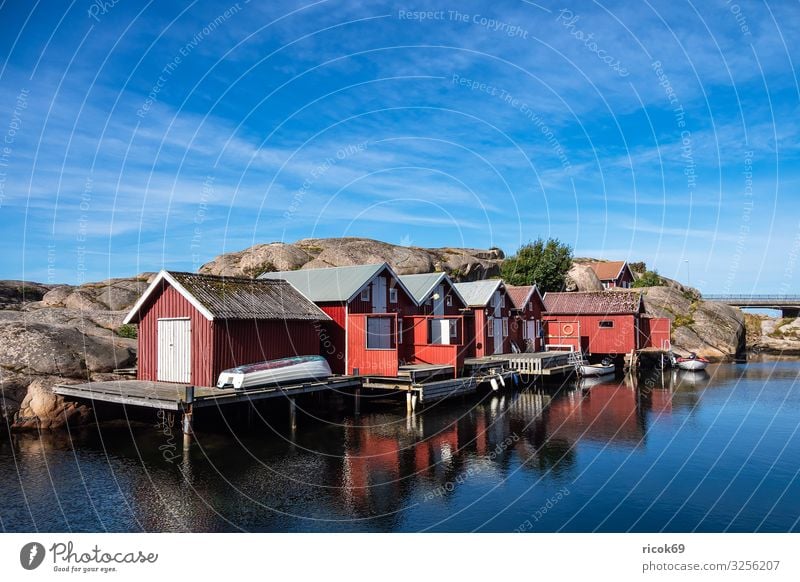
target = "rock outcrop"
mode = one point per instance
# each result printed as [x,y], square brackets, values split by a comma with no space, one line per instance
[66,335]
[770,335]
[583,278]
[462,264]
[14,294]
[712,330]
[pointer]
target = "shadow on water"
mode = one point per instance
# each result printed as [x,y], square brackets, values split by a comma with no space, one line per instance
[484,462]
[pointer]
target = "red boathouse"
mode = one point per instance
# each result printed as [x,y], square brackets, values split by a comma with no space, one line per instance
[613,273]
[526,319]
[365,304]
[191,327]
[487,330]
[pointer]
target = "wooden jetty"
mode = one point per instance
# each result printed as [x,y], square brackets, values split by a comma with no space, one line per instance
[536,363]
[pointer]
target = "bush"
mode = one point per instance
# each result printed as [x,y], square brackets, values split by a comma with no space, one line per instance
[127,330]
[638,267]
[649,279]
[540,262]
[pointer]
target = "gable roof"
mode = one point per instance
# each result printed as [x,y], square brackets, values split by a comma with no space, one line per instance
[234,298]
[334,283]
[521,294]
[607,270]
[422,285]
[593,302]
[478,293]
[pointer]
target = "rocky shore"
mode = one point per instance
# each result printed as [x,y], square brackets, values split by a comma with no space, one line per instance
[65,334]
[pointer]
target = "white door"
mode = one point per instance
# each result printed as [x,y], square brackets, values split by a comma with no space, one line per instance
[440,331]
[438,304]
[530,331]
[174,350]
[379,295]
[497,329]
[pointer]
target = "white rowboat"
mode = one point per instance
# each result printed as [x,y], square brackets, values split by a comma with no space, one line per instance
[282,371]
[596,369]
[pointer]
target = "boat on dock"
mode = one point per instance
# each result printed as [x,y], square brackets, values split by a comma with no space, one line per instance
[584,369]
[280,371]
[692,362]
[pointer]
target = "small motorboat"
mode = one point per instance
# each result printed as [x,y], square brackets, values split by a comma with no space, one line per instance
[282,371]
[604,368]
[692,362]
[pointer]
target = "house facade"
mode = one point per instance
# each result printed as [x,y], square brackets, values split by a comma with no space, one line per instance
[613,274]
[365,304]
[489,317]
[526,319]
[601,322]
[192,327]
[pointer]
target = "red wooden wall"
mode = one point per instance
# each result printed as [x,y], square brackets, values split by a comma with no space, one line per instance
[620,339]
[170,304]
[370,362]
[333,339]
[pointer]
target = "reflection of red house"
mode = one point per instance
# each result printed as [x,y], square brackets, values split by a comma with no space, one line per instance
[613,273]
[487,329]
[526,320]
[602,322]
[608,413]
[435,335]
[365,304]
[191,327]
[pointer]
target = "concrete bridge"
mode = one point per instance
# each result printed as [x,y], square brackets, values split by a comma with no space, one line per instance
[788,305]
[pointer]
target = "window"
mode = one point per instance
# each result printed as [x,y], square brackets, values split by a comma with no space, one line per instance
[491,327]
[365,294]
[505,326]
[379,333]
[606,323]
[448,301]
[453,328]
[502,301]
[393,295]
[400,331]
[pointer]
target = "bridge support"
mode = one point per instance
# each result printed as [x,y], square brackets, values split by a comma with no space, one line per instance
[790,311]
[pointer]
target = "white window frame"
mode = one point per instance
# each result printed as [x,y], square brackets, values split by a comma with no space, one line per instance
[453,327]
[505,327]
[365,294]
[393,295]
[490,322]
[502,300]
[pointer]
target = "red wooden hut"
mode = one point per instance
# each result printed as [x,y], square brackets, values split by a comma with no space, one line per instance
[613,273]
[191,327]
[364,303]
[435,334]
[526,319]
[601,322]
[487,323]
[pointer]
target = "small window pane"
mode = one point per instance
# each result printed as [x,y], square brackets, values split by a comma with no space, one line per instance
[606,323]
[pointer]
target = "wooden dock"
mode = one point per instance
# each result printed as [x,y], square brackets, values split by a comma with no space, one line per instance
[171,396]
[534,364]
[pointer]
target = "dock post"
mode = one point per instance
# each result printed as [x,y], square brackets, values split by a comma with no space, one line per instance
[414,398]
[293,414]
[188,420]
[357,401]
[409,406]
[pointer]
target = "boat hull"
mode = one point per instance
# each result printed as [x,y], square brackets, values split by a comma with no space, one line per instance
[691,365]
[275,372]
[596,369]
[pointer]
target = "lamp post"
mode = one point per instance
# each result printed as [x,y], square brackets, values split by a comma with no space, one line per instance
[688,274]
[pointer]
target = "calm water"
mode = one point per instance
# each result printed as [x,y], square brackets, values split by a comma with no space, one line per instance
[711,453]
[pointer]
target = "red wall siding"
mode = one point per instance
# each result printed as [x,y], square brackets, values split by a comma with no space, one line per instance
[367,362]
[239,342]
[333,339]
[619,339]
[165,304]
[655,332]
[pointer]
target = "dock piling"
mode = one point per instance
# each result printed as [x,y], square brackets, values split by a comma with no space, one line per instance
[188,400]
[357,403]
[293,414]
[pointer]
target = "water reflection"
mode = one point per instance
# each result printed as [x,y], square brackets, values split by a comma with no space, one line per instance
[456,465]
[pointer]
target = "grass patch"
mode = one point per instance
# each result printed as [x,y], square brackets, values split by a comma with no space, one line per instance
[127,330]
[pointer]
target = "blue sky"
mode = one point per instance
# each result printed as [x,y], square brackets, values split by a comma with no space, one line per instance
[136,136]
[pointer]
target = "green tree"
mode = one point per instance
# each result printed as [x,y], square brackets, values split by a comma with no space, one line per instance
[649,279]
[542,262]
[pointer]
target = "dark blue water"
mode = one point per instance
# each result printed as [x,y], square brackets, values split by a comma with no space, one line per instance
[717,452]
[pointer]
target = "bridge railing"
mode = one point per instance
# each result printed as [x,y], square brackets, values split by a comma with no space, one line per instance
[745,297]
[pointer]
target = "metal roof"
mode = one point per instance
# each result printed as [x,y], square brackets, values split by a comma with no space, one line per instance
[235,298]
[422,285]
[478,293]
[593,302]
[331,283]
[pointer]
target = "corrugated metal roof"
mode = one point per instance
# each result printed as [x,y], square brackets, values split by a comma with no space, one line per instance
[593,302]
[329,284]
[478,293]
[607,270]
[422,285]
